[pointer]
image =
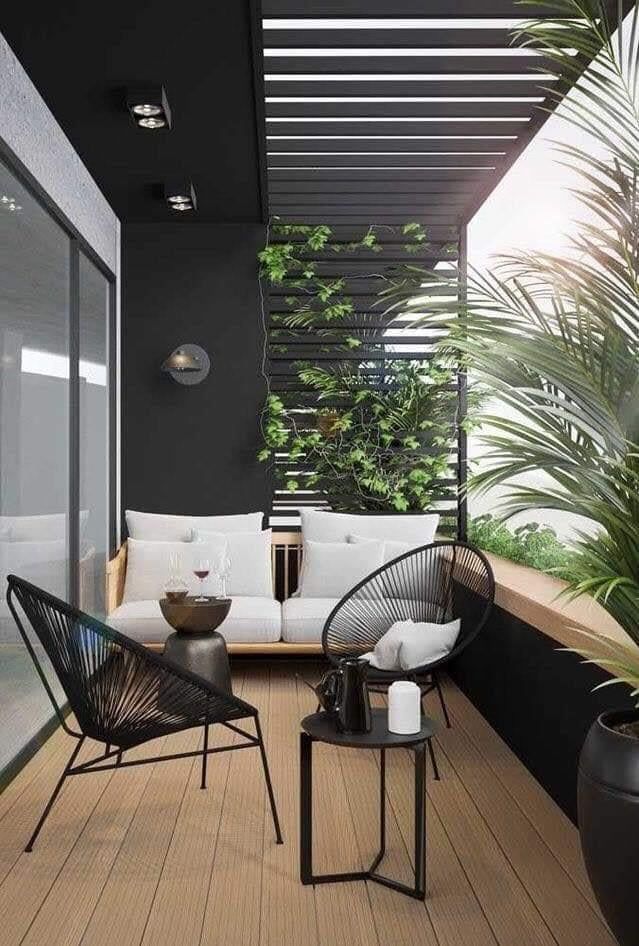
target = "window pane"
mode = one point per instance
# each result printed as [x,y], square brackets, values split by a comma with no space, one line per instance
[34,435]
[94,460]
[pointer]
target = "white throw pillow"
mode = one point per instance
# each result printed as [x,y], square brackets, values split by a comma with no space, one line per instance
[427,643]
[391,549]
[154,527]
[331,569]
[250,556]
[410,644]
[320,526]
[148,566]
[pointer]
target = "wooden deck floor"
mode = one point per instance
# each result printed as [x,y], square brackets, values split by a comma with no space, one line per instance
[143,856]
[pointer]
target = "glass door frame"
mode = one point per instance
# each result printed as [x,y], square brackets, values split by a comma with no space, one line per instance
[77,245]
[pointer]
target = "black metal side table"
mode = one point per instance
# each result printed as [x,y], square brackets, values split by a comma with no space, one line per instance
[196,645]
[319,727]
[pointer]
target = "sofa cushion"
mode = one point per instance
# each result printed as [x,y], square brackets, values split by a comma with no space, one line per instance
[392,549]
[250,620]
[303,619]
[331,569]
[156,527]
[249,554]
[149,565]
[322,526]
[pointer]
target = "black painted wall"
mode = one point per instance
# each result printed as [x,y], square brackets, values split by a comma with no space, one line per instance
[538,698]
[192,449]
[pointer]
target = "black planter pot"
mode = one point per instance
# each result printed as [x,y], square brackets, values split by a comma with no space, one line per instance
[608,801]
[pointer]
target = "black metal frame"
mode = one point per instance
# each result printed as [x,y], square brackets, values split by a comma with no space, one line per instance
[418,890]
[427,677]
[77,245]
[38,605]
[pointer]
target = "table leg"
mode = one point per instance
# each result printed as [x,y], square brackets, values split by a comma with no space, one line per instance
[418,890]
[382,812]
[420,821]
[306,808]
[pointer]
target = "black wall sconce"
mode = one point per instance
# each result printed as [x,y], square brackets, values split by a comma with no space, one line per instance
[187,364]
[149,106]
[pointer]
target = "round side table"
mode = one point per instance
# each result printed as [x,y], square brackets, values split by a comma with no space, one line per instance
[320,727]
[196,645]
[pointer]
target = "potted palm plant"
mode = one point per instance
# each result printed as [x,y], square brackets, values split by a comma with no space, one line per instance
[556,338]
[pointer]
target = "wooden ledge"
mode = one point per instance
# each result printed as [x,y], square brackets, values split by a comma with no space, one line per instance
[273,649]
[533,597]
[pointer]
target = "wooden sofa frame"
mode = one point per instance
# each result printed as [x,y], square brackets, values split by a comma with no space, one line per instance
[286,557]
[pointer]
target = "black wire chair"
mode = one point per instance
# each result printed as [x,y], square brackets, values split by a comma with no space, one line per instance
[122,694]
[437,583]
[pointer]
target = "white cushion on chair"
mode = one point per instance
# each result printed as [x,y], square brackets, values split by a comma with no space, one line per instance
[303,619]
[160,528]
[250,620]
[410,644]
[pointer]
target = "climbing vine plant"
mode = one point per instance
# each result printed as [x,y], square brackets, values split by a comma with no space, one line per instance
[375,433]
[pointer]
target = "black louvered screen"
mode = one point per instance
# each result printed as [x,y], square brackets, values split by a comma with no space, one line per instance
[380,338]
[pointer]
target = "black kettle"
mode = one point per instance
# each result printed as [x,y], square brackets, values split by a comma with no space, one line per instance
[343,693]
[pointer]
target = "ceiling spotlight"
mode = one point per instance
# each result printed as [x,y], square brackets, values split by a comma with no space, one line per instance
[146,109]
[152,122]
[149,106]
[180,195]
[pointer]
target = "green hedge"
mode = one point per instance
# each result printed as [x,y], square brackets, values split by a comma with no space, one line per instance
[530,544]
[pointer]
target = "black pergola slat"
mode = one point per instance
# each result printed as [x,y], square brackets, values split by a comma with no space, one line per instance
[408,110]
[405,65]
[360,287]
[355,213]
[365,219]
[331,198]
[421,37]
[414,145]
[373,174]
[466,161]
[526,85]
[411,9]
[319,186]
[400,129]
[346,233]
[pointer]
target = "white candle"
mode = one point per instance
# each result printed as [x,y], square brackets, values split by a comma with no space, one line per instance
[404,708]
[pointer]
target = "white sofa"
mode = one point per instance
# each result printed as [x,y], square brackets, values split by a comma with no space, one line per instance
[250,621]
[255,623]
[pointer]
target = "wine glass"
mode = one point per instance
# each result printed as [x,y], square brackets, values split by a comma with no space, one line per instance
[201,571]
[224,572]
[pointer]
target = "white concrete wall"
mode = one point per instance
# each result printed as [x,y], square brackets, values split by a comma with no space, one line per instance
[31,132]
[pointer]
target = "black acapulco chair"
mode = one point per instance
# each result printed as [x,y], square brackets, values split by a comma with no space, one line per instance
[439,582]
[122,694]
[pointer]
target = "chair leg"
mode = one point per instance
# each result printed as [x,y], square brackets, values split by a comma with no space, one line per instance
[54,795]
[269,786]
[442,701]
[205,756]
[433,761]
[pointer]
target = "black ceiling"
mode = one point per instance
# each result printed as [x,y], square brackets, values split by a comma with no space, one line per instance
[81,54]
[433,159]
[431,104]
